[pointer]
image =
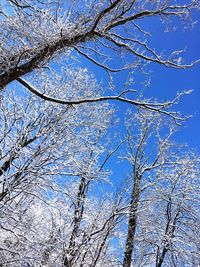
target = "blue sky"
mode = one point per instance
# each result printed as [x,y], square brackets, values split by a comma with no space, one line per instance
[166,82]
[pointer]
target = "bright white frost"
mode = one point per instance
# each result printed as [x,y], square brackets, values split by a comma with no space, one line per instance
[56,207]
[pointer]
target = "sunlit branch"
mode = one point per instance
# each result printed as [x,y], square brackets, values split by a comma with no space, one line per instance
[153,106]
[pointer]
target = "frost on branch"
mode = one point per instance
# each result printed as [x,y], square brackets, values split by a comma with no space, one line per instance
[35,32]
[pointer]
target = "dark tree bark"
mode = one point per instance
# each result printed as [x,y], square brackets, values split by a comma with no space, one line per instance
[132,222]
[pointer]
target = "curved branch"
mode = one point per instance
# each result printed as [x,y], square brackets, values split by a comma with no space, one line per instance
[153,106]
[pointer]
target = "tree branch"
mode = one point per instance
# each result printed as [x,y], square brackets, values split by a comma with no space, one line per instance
[153,106]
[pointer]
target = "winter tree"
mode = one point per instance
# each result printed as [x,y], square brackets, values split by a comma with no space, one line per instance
[35,34]
[49,156]
[60,138]
[163,213]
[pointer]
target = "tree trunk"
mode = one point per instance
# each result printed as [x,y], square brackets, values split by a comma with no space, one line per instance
[78,215]
[132,222]
[161,259]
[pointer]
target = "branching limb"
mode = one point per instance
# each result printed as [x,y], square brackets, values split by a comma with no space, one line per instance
[153,106]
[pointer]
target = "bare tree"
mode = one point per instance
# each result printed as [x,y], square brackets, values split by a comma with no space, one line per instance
[34,34]
[146,127]
[55,205]
[177,204]
[51,159]
[42,147]
[163,184]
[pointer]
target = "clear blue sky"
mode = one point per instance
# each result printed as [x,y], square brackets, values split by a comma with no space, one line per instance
[166,82]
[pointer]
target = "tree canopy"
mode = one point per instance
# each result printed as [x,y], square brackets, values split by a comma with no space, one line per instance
[85,182]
